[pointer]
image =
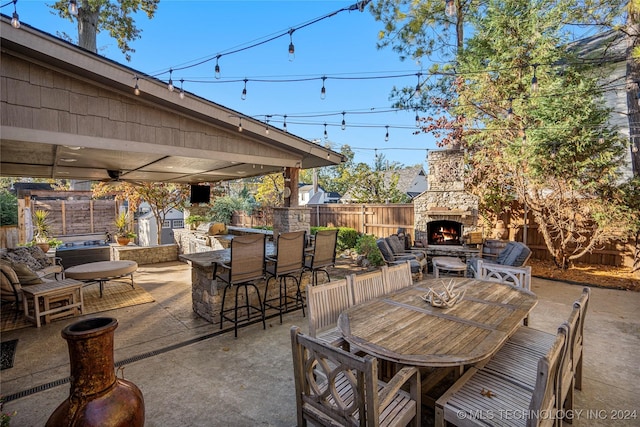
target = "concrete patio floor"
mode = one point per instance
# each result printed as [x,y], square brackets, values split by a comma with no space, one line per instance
[192,375]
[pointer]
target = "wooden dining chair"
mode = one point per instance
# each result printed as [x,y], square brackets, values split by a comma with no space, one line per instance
[246,267]
[397,276]
[483,391]
[288,263]
[335,387]
[323,255]
[325,303]
[366,286]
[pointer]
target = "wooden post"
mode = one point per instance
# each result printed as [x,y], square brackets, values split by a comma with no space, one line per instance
[291,176]
[63,212]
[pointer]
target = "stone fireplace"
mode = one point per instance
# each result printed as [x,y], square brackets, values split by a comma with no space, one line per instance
[445,213]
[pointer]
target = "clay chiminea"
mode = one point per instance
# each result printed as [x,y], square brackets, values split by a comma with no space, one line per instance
[97,397]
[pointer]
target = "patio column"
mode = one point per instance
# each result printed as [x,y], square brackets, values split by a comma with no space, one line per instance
[288,219]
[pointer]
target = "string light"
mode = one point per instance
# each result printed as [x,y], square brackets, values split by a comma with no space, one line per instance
[284,123]
[240,124]
[266,129]
[15,20]
[244,91]
[534,79]
[601,139]
[136,88]
[510,109]
[181,90]
[292,48]
[217,68]
[170,85]
[386,136]
[323,91]
[417,119]
[73,7]
[343,126]
[326,135]
[418,88]
[450,8]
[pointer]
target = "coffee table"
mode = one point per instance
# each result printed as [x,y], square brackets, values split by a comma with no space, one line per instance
[447,263]
[102,272]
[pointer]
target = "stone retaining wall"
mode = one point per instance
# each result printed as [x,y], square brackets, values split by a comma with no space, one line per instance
[145,254]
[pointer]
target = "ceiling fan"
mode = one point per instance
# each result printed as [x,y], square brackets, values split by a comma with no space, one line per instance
[114,178]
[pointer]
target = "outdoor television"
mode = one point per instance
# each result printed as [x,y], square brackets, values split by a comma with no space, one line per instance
[200,194]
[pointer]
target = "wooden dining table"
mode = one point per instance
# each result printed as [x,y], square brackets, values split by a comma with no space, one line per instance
[401,327]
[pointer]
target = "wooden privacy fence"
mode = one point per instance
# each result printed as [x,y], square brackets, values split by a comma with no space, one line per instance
[382,220]
[68,217]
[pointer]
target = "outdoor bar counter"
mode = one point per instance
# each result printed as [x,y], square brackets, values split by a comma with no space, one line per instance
[206,293]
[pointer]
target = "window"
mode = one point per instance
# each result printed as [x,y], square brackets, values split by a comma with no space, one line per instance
[166,223]
[178,223]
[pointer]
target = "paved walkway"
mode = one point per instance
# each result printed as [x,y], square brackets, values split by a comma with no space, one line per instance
[191,375]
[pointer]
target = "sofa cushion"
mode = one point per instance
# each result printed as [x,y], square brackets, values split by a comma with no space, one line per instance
[23,255]
[523,256]
[506,253]
[386,251]
[26,276]
[394,243]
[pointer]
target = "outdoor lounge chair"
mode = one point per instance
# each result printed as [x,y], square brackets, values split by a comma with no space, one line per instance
[515,254]
[417,265]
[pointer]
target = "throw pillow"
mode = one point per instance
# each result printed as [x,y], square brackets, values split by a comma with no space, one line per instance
[38,254]
[7,277]
[26,276]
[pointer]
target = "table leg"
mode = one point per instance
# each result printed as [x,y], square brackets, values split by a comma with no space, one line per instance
[36,310]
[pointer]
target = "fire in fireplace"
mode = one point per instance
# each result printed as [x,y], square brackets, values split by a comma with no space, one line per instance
[444,232]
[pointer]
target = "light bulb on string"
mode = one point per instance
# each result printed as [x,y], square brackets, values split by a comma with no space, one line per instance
[170,85]
[181,90]
[534,79]
[73,7]
[266,129]
[136,88]
[284,123]
[418,88]
[386,136]
[326,135]
[15,20]
[244,91]
[634,147]
[217,68]
[292,48]
[343,126]
[417,120]
[450,8]
[323,91]
[601,139]
[240,124]
[510,110]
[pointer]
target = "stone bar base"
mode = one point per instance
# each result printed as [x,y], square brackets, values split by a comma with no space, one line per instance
[291,219]
[206,293]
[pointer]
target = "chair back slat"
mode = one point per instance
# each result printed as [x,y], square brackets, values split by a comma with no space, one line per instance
[325,303]
[366,286]
[290,252]
[324,253]
[397,276]
[544,397]
[247,258]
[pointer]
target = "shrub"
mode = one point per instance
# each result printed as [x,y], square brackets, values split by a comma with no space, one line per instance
[8,208]
[367,247]
[347,237]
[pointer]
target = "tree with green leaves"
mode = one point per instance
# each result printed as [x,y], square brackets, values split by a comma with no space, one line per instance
[114,17]
[552,149]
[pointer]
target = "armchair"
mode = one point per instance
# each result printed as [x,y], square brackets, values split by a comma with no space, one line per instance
[335,387]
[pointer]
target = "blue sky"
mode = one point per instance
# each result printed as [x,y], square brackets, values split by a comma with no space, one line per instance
[183,33]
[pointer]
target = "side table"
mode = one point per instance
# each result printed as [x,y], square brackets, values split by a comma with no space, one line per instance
[68,292]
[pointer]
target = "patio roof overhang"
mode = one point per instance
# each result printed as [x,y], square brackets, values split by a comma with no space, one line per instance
[67,113]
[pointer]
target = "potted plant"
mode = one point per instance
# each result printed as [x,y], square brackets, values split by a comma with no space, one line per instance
[195,220]
[41,229]
[123,234]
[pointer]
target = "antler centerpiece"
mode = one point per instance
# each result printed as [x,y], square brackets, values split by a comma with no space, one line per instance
[443,299]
